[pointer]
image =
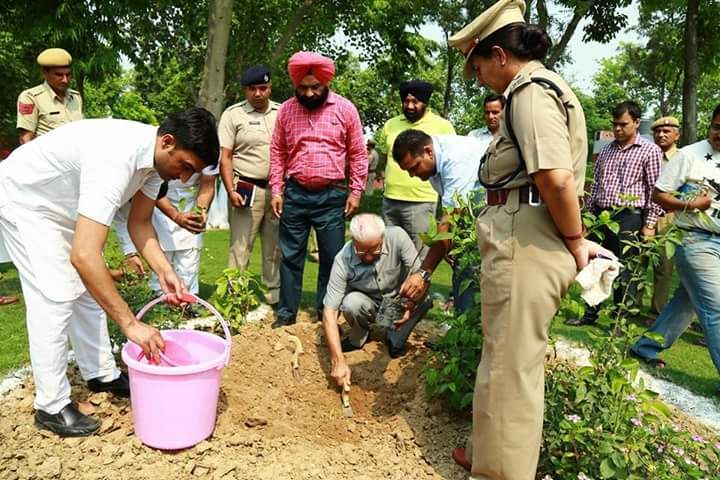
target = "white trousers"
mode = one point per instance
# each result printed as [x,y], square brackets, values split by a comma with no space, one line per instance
[50,324]
[186,264]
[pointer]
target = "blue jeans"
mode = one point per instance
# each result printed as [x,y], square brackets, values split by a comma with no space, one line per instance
[698,265]
[323,210]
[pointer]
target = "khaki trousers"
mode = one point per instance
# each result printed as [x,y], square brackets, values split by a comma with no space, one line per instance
[662,271]
[526,268]
[245,223]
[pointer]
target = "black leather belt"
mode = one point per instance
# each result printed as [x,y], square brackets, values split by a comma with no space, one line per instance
[528,194]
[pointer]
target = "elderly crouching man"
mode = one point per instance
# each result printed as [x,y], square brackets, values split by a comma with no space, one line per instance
[367,272]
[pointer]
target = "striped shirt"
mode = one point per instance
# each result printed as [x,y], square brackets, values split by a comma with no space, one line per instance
[315,146]
[629,171]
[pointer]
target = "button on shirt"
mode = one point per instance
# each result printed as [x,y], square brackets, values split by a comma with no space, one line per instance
[377,280]
[247,133]
[692,168]
[399,185]
[457,159]
[628,171]
[314,146]
[40,109]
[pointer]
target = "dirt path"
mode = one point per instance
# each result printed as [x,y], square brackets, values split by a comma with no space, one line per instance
[269,426]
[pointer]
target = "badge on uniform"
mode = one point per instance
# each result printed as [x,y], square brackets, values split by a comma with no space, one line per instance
[25,108]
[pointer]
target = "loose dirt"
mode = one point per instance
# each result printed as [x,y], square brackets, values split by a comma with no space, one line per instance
[269,426]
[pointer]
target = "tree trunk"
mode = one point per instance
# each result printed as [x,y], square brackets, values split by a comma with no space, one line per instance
[211,94]
[448,81]
[542,14]
[528,8]
[290,30]
[580,10]
[692,73]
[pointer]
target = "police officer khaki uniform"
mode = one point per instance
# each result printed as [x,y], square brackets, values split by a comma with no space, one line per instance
[43,108]
[526,265]
[246,133]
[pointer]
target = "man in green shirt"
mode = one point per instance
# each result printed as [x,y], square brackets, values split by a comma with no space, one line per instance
[408,202]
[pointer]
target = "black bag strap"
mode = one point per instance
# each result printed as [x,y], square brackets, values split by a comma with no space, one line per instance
[511,133]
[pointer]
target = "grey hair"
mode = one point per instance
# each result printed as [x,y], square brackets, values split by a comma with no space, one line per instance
[367,226]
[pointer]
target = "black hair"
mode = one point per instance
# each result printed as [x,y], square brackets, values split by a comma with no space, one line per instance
[410,141]
[194,130]
[494,97]
[629,106]
[526,42]
[716,112]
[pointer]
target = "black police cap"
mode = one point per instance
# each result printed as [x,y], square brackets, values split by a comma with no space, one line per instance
[255,75]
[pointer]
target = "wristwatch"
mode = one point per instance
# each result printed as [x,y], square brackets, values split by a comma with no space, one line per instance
[425,275]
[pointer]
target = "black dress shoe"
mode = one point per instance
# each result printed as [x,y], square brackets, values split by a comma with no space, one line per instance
[68,422]
[347,346]
[120,386]
[282,322]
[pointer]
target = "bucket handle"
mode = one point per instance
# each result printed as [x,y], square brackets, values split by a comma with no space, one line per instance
[191,298]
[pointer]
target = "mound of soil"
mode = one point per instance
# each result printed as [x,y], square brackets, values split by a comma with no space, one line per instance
[269,426]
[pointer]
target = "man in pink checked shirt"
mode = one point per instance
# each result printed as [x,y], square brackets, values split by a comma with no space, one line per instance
[318,137]
[624,176]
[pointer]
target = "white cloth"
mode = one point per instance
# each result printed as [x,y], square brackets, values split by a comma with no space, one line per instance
[596,279]
[87,167]
[4,256]
[218,213]
[172,236]
[457,160]
[50,324]
[484,136]
[121,230]
[186,264]
[694,167]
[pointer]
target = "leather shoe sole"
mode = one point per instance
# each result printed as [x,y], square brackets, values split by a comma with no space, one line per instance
[120,386]
[68,422]
[279,323]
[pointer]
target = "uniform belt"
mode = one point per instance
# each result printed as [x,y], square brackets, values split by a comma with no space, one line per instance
[255,181]
[322,186]
[528,194]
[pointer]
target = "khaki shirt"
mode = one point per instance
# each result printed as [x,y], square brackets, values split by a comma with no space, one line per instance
[248,134]
[40,109]
[550,135]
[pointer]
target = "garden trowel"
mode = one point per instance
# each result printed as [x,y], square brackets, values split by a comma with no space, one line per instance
[297,350]
[345,399]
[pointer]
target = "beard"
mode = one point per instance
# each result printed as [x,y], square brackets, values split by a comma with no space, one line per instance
[413,117]
[311,103]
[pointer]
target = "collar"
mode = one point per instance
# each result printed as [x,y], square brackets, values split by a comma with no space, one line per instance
[429,114]
[53,94]
[636,142]
[146,157]
[248,108]
[523,76]
[671,152]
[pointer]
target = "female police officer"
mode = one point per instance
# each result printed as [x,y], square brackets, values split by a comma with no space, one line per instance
[530,235]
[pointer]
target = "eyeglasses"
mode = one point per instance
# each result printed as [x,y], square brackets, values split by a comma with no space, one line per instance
[360,253]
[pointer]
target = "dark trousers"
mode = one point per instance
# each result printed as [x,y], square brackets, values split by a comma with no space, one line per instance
[323,210]
[463,288]
[630,222]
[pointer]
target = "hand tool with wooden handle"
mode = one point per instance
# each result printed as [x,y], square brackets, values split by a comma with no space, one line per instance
[345,398]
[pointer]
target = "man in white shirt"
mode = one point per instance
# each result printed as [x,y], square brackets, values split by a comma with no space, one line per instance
[493,106]
[695,173]
[450,163]
[58,196]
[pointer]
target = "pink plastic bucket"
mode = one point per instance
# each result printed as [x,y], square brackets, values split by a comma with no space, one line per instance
[176,407]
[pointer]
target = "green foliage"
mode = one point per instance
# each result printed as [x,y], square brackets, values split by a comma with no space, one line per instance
[371,203]
[450,370]
[237,293]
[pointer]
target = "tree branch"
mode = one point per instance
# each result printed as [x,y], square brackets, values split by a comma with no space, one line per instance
[290,30]
[580,10]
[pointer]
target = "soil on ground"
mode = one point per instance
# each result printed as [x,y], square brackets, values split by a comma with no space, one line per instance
[269,426]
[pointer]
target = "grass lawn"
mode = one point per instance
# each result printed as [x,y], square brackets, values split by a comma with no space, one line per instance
[13,335]
[688,364]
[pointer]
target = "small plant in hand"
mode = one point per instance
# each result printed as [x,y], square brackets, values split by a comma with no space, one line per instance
[237,293]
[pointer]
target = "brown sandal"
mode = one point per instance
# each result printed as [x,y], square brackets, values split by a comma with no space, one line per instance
[458,455]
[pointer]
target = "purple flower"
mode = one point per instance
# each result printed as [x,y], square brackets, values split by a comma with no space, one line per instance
[660,449]
[717,446]
[573,418]
[635,421]
[698,438]
[631,398]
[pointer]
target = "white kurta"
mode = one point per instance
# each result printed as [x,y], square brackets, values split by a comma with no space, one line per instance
[172,236]
[89,168]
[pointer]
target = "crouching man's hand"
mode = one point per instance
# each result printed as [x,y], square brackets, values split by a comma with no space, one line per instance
[340,372]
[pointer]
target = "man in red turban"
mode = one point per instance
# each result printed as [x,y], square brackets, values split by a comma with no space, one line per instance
[318,169]
[302,64]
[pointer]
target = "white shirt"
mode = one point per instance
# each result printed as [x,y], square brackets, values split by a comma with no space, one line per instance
[483,135]
[457,160]
[172,236]
[693,167]
[87,167]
